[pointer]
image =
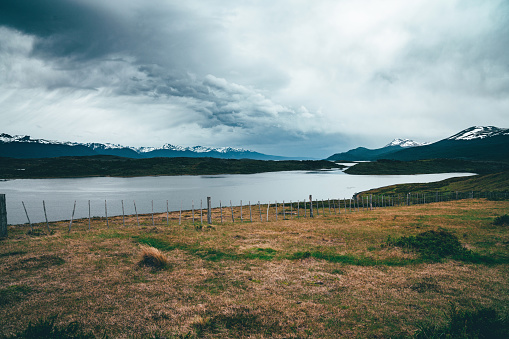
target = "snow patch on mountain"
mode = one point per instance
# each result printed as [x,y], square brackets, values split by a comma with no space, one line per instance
[406,143]
[479,132]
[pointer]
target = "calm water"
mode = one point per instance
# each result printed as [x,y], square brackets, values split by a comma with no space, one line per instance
[59,194]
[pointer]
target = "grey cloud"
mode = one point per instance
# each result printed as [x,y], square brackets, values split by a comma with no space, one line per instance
[248,75]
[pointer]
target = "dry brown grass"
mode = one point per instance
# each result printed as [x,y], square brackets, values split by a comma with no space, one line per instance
[93,276]
[152,257]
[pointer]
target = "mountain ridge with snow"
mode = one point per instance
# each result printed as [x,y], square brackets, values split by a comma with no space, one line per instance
[479,132]
[5,138]
[406,143]
[23,146]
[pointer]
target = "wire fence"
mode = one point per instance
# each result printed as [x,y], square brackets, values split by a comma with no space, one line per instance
[202,213]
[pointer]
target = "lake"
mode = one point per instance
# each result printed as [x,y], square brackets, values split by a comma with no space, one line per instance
[59,194]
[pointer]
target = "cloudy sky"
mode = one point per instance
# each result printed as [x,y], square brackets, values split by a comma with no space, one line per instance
[284,77]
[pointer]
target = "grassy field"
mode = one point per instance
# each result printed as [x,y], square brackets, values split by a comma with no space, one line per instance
[354,275]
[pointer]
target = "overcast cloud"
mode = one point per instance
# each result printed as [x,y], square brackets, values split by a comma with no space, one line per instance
[286,77]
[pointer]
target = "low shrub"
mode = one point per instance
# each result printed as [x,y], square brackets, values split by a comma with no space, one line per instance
[241,320]
[431,244]
[152,257]
[502,220]
[480,323]
[46,329]
[13,294]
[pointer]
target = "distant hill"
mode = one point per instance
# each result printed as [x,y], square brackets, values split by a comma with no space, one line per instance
[24,147]
[480,143]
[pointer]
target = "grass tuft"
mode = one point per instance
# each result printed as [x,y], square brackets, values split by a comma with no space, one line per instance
[154,258]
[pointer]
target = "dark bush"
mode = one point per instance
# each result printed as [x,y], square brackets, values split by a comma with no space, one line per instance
[478,324]
[431,244]
[46,329]
[502,220]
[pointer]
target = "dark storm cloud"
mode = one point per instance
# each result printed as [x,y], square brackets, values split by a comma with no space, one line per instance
[78,37]
[64,28]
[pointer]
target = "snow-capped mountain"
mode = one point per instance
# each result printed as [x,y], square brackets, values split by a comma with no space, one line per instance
[22,146]
[479,132]
[486,143]
[406,143]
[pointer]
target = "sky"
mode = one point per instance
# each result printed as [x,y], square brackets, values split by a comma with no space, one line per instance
[286,77]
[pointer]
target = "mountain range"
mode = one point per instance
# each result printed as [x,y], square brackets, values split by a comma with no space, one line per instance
[23,146]
[483,143]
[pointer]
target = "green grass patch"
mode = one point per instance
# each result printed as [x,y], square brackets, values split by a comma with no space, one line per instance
[43,261]
[8,254]
[243,320]
[351,259]
[208,254]
[437,245]
[260,253]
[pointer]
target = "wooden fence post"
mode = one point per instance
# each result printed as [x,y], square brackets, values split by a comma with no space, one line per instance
[31,227]
[72,216]
[123,214]
[3,216]
[260,210]
[89,222]
[310,206]
[209,210]
[45,215]
[268,206]
[231,209]
[152,213]
[167,214]
[136,211]
[105,213]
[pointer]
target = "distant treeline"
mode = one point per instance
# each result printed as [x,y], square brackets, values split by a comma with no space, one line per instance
[89,166]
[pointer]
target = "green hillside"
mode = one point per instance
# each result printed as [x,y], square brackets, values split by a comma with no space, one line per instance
[494,182]
[391,167]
